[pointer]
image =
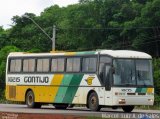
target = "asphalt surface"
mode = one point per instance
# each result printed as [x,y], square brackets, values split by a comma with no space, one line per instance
[80,111]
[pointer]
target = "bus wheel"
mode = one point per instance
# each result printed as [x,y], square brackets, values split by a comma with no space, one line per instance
[93,102]
[30,100]
[127,108]
[61,106]
[71,105]
[37,105]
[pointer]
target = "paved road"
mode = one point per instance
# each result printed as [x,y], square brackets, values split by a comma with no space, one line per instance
[80,111]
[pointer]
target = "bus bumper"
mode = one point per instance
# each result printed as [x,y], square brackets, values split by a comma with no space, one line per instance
[140,100]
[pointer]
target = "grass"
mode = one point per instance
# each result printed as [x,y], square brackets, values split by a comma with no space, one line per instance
[154,107]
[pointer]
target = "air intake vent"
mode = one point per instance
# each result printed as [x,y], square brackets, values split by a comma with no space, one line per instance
[12,91]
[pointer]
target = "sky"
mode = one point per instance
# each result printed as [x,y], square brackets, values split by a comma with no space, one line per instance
[10,8]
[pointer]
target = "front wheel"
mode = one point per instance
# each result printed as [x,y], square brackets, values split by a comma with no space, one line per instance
[128,108]
[93,102]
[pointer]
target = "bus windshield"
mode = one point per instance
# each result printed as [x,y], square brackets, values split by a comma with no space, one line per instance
[129,72]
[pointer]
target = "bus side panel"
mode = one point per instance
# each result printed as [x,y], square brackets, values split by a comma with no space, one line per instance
[15,93]
[44,94]
[68,88]
[82,93]
[88,83]
[48,93]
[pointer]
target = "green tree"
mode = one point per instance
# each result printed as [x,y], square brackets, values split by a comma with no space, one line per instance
[26,35]
[3,58]
[3,37]
[156,77]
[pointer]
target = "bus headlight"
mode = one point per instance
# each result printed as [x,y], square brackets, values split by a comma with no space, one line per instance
[122,101]
[117,93]
[150,100]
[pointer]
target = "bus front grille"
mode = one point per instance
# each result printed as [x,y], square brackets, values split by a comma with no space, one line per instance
[12,91]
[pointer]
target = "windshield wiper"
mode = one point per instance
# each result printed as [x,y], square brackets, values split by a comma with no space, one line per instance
[131,75]
[128,84]
[141,79]
[139,76]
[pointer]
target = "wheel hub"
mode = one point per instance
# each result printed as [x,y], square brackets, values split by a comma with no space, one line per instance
[93,100]
[30,99]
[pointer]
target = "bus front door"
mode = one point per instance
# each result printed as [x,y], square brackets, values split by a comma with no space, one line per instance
[108,83]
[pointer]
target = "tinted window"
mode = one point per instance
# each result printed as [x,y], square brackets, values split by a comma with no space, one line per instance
[144,72]
[15,65]
[73,65]
[28,65]
[89,64]
[104,60]
[42,65]
[57,65]
[124,72]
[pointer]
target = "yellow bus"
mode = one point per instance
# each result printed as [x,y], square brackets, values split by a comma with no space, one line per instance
[102,78]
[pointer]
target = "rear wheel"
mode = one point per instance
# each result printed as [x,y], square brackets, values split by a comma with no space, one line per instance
[128,108]
[30,100]
[93,102]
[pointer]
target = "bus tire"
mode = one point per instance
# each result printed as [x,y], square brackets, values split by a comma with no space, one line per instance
[30,100]
[71,105]
[128,108]
[93,102]
[37,105]
[61,106]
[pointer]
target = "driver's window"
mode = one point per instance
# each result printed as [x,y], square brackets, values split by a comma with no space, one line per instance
[104,60]
[107,70]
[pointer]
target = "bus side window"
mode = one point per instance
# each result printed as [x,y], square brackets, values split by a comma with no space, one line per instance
[103,61]
[57,65]
[89,64]
[42,65]
[28,65]
[15,65]
[73,65]
[12,65]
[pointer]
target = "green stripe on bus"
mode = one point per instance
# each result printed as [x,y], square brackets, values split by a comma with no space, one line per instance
[138,90]
[144,90]
[141,90]
[86,53]
[72,89]
[63,88]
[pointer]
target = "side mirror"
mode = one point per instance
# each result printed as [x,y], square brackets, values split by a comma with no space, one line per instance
[113,70]
[108,76]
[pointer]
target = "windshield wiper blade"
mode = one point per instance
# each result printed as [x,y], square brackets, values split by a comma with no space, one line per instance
[131,75]
[128,84]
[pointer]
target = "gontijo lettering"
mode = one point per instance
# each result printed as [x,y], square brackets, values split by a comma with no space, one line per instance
[36,79]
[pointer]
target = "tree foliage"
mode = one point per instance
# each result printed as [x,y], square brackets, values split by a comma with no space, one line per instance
[92,24]
[3,56]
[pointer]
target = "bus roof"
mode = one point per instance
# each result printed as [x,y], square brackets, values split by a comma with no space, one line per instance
[126,54]
[112,53]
